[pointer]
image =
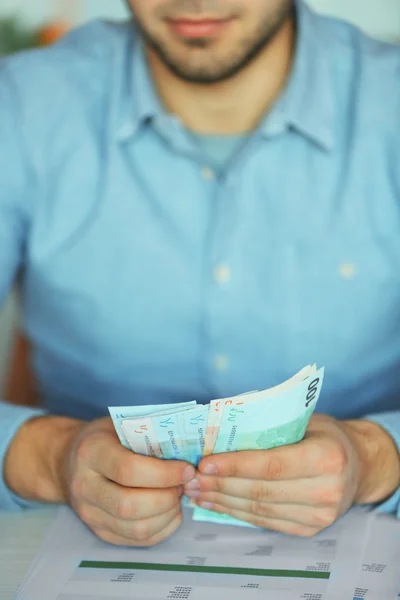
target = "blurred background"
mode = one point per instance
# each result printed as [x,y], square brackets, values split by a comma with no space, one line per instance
[30,23]
[380,18]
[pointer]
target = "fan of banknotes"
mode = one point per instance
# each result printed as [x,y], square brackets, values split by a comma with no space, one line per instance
[189,431]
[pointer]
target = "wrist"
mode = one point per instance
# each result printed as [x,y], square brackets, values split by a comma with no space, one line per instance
[379,460]
[33,467]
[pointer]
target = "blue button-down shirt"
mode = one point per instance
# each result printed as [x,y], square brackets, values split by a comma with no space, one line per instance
[144,279]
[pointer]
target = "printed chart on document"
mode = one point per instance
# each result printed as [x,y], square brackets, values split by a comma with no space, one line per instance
[207,560]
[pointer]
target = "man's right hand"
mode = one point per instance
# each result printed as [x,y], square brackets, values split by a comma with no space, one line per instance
[125,498]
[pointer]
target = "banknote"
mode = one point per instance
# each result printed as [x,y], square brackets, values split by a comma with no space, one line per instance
[217,407]
[209,516]
[216,410]
[266,422]
[257,420]
[174,434]
[195,427]
[142,436]
[121,413]
[160,435]
[171,436]
[255,424]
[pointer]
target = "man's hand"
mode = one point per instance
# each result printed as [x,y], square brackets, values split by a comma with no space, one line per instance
[304,488]
[125,498]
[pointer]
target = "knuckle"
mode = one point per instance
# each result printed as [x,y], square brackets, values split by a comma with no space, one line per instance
[101,534]
[85,513]
[219,485]
[260,492]
[335,460]
[273,468]
[174,524]
[304,531]
[330,496]
[124,471]
[325,517]
[260,509]
[259,521]
[77,487]
[304,454]
[227,510]
[233,467]
[254,519]
[123,508]
[83,448]
[141,532]
[178,518]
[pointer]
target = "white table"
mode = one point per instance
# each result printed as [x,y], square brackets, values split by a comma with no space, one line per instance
[21,535]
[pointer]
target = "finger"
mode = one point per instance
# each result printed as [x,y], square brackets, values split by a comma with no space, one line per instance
[118,540]
[288,527]
[305,459]
[139,530]
[297,513]
[310,491]
[104,455]
[126,503]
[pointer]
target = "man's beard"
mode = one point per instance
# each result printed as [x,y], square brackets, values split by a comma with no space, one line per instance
[249,50]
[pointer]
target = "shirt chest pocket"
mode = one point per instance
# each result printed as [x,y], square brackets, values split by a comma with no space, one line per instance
[344,300]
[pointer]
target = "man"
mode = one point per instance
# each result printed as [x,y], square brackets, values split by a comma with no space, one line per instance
[199,205]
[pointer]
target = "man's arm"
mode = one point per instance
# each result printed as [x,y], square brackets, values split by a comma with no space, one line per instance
[390,423]
[30,449]
[27,460]
[16,198]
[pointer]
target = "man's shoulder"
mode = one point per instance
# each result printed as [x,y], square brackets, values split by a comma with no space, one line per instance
[351,47]
[84,46]
[365,71]
[77,66]
[340,34]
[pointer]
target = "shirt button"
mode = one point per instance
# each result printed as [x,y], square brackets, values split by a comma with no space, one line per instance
[348,270]
[221,363]
[222,274]
[208,174]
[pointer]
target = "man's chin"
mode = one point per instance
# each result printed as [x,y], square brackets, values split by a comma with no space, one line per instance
[200,76]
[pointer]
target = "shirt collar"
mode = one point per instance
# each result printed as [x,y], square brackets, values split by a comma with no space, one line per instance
[306,105]
[138,99]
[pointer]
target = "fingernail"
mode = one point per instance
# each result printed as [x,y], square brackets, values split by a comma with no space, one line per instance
[192,485]
[192,493]
[188,474]
[210,470]
[206,505]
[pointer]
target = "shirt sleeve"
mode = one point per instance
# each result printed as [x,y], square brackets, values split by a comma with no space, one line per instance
[16,191]
[390,421]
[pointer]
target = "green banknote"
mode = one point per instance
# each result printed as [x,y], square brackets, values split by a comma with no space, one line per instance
[255,424]
[253,421]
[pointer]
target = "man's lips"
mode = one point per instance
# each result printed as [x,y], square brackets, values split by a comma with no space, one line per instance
[198,28]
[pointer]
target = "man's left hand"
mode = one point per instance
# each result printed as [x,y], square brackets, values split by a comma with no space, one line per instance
[303,488]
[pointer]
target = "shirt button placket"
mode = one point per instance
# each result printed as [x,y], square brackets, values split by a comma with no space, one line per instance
[220,278]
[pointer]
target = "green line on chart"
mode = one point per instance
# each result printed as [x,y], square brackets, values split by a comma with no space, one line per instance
[94,564]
